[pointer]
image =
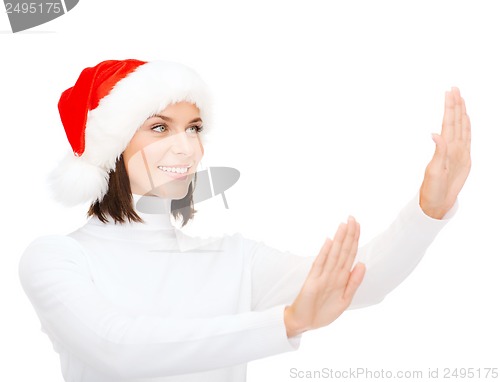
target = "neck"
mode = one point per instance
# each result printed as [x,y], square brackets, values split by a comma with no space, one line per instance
[154,211]
[151,205]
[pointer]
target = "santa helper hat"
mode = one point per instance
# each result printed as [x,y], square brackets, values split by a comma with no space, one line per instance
[104,109]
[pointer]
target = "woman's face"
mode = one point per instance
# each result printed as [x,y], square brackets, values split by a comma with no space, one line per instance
[163,155]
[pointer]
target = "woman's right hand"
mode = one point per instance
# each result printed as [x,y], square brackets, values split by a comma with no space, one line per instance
[330,284]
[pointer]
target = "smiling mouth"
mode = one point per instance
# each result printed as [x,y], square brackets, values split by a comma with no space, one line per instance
[175,170]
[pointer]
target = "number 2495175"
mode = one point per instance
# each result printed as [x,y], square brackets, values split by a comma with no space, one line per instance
[33,8]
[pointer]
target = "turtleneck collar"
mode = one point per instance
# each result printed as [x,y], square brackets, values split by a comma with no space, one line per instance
[156,226]
[153,210]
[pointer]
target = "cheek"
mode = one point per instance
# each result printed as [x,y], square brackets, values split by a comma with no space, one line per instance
[200,147]
[137,171]
[135,159]
[140,145]
[134,146]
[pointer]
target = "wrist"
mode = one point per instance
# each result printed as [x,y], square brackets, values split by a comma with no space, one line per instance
[433,211]
[292,327]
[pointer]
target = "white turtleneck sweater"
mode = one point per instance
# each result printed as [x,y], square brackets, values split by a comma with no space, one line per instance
[145,302]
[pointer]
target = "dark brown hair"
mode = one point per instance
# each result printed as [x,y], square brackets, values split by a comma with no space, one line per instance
[118,201]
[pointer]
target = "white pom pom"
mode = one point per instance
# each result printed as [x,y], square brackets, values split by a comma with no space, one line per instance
[75,181]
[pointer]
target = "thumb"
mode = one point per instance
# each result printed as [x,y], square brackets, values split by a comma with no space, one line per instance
[441,149]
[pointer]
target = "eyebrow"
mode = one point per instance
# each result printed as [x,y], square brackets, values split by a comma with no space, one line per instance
[168,119]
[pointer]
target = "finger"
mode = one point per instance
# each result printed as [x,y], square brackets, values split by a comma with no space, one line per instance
[468,134]
[333,254]
[355,280]
[319,262]
[464,109]
[354,248]
[463,119]
[457,133]
[449,117]
[347,245]
[440,153]
[349,242]
[465,125]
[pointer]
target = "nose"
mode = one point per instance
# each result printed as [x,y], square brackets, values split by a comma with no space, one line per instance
[181,143]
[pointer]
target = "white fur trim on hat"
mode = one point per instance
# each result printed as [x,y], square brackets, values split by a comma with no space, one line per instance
[75,181]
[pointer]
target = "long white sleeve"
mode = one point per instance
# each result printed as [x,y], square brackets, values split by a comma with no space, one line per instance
[389,258]
[55,275]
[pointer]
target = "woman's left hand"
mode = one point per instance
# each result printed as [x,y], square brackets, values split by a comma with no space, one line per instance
[448,169]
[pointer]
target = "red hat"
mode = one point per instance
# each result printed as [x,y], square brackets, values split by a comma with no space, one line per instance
[104,109]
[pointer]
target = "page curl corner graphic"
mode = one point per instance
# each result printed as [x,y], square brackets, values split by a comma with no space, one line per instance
[26,14]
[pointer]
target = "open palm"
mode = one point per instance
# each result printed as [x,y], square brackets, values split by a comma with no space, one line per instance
[449,168]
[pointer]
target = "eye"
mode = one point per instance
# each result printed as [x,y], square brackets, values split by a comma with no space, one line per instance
[159,128]
[198,129]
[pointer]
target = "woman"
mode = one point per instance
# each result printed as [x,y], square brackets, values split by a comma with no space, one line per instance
[129,297]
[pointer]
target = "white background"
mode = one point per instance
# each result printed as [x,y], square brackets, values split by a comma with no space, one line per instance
[326,108]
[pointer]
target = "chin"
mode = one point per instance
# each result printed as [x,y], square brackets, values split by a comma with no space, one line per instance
[168,193]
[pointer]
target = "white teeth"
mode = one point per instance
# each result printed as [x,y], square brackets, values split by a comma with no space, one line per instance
[178,170]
